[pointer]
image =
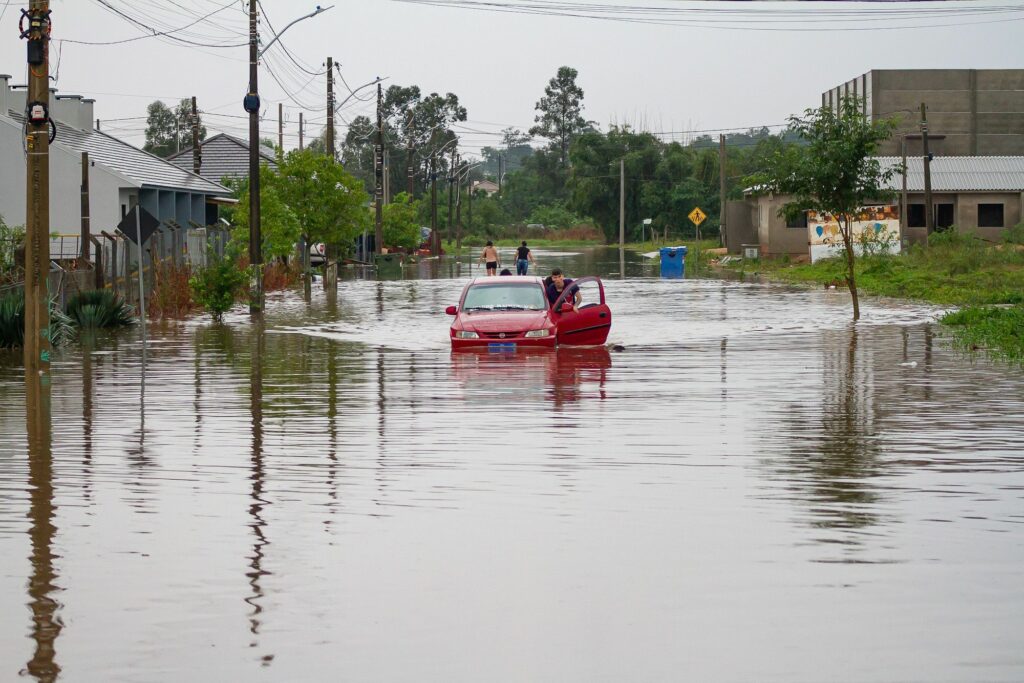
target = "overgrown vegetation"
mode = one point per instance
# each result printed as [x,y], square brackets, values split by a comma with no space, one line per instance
[999,331]
[12,322]
[219,284]
[99,309]
[171,295]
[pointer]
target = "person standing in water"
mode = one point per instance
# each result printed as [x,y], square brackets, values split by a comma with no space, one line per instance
[523,259]
[490,257]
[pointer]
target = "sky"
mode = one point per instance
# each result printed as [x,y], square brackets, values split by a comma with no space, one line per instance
[697,66]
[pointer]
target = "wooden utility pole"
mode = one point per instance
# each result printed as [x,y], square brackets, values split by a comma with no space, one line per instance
[330,107]
[300,131]
[451,196]
[378,190]
[255,234]
[197,152]
[280,128]
[37,212]
[469,218]
[722,200]
[435,239]
[458,210]
[85,238]
[622,203]
[499,175]
[929,218]
[410,175]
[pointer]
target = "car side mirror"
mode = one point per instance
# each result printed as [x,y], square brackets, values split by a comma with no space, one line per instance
[566,307]
[451,310]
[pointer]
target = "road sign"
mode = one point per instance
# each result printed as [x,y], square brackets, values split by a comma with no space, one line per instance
[697,216]
[145,227]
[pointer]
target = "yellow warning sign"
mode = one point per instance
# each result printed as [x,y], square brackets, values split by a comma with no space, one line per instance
[697,216]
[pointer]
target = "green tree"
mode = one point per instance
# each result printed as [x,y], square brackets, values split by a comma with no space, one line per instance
[401,222]
[834,172]
[168,131]
[560,119]
[279,226]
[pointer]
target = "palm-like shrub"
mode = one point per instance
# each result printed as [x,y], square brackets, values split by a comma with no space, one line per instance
[12,322]
[99,309]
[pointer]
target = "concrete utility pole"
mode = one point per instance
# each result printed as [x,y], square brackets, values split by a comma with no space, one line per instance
[469,218]
[499,175]
[85,238]
[197,153]
[330,107]
[903,194]
[435,240]
[378,190]
[280,127]
[410,174]
[622,203]
[458,209]
[723,204]
[253,107]
[451,195]
[37,211]
[929,218]
[300,131]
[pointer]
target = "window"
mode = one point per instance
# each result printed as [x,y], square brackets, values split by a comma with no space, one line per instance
[990,215]
[519,296]
[798,222]
[943,216]
[915,216]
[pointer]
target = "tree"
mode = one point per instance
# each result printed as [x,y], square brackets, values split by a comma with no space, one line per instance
[560,119]
[834,173]
[401,225]
[170,131]
[279,226]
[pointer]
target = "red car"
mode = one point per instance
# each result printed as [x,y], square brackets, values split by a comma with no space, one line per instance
[505,313]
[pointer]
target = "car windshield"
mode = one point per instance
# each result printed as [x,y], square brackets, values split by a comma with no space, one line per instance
[525,296]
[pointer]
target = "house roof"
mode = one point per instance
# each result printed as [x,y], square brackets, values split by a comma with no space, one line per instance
[223,155]
[137,167]
[960,174]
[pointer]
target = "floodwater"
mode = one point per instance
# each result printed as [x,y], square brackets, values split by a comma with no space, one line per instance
[750,489]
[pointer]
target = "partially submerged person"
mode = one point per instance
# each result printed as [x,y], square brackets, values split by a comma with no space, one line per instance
[558,284]
[505,271]
[524,257]
[490,257]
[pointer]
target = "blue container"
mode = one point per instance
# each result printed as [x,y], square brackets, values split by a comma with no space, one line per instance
[673,261]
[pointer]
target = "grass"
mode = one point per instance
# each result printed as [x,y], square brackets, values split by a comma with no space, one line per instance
[997,330]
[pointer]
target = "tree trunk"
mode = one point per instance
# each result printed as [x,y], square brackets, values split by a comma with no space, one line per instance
[851,278]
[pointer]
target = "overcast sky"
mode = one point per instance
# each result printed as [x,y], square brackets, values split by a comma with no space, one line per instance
[678,77]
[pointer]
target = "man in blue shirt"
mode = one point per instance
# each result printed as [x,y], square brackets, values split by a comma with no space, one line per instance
[558,284]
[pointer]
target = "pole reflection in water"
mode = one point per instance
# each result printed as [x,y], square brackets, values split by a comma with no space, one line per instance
[622,264]
[46,622]
[258,523]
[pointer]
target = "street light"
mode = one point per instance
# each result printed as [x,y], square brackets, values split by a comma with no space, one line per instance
[251,103]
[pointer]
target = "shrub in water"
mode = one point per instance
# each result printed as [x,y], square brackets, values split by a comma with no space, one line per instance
[217,285]
[99,309]
[12,322]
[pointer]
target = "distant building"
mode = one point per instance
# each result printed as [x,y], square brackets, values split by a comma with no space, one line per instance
[120,175]
[980,194]
[971,112]
[485,186]
[223,156]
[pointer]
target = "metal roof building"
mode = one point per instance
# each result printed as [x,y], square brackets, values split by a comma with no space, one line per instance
[223,156]
[961,174]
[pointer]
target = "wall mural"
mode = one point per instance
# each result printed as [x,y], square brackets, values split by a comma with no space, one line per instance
[876,230]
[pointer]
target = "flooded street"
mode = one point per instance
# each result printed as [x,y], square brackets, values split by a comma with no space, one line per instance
[749,489]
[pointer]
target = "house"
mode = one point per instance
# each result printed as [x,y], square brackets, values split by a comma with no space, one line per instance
[485,186]
[971,112]
[980,194]
[120,175]
[222,157]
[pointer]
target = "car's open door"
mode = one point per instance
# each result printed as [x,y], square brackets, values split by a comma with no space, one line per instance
[588,326]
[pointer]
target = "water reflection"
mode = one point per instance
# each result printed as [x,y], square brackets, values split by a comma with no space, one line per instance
[257,522]
[42,584]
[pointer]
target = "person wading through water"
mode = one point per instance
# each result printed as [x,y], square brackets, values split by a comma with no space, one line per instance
[523,259]
[490,257]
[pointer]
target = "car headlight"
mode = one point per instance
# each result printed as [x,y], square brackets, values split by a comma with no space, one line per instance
[466,334]
[538,333]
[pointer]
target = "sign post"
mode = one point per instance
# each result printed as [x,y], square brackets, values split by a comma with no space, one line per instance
[144,224]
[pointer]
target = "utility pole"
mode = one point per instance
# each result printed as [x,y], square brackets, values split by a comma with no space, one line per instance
[37,211]
[280,127]
[458,210]
[722,202]
[410,175]
[929,218]
[469,218]
[451,195]
[499,175]
[197,153]
[300,131]
[903,194]
[435,239]
[622,203]
[85,238]
[378,192]
[330,107]
[253,107]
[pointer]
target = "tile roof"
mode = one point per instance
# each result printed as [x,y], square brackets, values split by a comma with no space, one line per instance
[961,174]
[136,166]
[223,156]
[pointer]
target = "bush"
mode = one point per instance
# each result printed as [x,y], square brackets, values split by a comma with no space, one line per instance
[12,322]
[217,285]
[171,296]
[99,309]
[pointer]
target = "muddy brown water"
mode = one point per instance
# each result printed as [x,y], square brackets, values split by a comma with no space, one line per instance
[751,489]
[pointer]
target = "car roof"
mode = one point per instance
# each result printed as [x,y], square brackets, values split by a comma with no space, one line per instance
[506,279]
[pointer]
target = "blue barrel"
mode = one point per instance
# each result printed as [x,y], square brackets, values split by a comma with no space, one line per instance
[673,261]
